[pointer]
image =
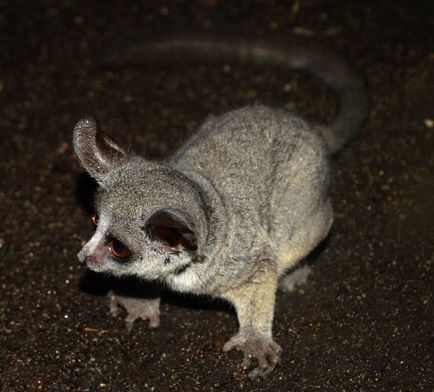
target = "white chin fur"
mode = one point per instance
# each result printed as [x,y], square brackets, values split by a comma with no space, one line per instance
[186,281]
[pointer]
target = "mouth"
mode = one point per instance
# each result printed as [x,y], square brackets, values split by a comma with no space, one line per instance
[181,269]
[101,268]
[93,265]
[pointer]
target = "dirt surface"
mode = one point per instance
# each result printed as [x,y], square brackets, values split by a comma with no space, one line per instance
[363,322]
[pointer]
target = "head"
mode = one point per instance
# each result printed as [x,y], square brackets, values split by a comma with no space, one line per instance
[149,218]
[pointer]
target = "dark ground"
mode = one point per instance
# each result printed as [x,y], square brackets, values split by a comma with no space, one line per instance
[363,322]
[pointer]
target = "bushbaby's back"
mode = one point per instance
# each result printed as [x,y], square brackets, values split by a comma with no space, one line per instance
[267,164]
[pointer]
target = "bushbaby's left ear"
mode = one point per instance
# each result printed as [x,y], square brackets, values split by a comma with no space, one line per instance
[171,231]
[98,153]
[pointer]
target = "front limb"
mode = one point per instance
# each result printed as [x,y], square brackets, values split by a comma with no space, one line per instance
[254,304]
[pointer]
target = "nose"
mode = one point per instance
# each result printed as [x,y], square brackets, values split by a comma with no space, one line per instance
[81,257]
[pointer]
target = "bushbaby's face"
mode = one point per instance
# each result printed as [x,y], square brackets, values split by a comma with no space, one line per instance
[141,219]
[131,240]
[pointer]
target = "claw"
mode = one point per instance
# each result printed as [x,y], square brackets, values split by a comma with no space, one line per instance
[247,360]
[154,322]
[262,361]
[258,372]
[114,308]
[231,344]
[129,321]
[228,346]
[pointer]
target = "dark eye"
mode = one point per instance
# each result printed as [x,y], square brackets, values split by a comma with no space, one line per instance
[118,249]
[94,218]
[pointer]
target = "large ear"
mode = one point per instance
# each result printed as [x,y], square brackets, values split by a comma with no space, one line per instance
[97,152]
[171,231]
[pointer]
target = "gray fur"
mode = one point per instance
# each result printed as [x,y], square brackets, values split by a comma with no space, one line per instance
[252,186]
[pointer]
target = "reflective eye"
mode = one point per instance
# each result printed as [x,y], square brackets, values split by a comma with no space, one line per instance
[94,219]
[118,249]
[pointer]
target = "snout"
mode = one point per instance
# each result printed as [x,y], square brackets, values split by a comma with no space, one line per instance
[94,252]
[81,257]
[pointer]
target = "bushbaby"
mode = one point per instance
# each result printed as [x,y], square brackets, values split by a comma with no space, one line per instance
[238,205]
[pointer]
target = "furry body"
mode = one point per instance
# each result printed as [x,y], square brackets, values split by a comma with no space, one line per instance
[268,175]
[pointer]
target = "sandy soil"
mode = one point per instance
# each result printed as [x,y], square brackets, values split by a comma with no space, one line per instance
[363,322]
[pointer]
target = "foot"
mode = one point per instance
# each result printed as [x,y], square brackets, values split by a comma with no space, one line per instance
[146,309]
[258,347]
[296,278]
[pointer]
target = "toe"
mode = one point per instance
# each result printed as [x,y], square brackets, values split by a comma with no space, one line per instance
[247,360]
[231,344]
[154,322]
[262,360]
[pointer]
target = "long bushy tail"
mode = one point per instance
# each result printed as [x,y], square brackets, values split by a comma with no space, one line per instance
[353,104]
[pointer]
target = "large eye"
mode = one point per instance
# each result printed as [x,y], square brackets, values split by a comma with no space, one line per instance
[94,219]
[118,249]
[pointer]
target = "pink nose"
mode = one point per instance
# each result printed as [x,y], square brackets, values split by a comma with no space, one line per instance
[81,256]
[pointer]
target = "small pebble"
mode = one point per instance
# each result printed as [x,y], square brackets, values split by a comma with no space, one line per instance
[429,123]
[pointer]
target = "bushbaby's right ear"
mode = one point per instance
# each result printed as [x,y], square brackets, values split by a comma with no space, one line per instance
[171,231]
[98,153]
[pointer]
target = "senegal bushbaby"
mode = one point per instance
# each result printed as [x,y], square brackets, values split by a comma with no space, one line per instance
[242,201]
